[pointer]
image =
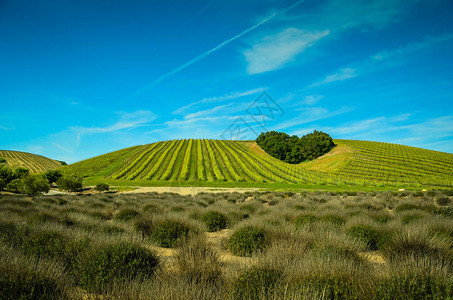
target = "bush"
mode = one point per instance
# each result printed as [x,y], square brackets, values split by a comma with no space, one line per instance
[112,230]
[198,262]
[30,185]
[333,286]
[23,284]
[443,201]
[12,234]
[70,183]
[365,233]
[115,263]
[15,186]
[126,215]
[53,176]
[247,240]
[334,219]
[214,221]
[257,283]
[168,232]
[418,245]
[415,286]
[102,187]
[304,220]
[144,226]
[20,173]
[409,218]
[45,243]
[34,185]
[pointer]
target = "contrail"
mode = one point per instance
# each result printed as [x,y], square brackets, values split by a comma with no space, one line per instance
[218,47]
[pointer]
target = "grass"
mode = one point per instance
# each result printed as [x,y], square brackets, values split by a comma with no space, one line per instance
[360,246]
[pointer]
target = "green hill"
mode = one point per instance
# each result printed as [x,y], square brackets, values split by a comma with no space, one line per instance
[349,163]
[33,162]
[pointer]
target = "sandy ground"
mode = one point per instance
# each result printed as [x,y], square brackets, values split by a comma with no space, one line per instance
[190,190]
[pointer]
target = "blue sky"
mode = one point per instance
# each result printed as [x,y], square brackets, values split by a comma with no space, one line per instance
[83,78]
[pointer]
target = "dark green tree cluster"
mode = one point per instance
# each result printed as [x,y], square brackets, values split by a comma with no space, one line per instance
[20,181]
[292,149]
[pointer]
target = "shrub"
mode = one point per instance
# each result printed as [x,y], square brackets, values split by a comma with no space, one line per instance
[20,173]
[247,240]
[334,219]
[126,214]
[112,229]
[115,262]
[13,234]
[415,286]
[167,233]
[198,262]
[443,201]
[23,284]
[70,183]
[45,243]
[144,226]
[257,283]
[53,176]
[304,220]
[365,233]
[409,218]
[214,221]
[102,187]
[418,245]
[406,206]
[333,286]
[30,185]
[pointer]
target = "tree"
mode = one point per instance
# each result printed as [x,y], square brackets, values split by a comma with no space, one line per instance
[53,176]
[101,187]
[70,183]
[293,149]
[33,185]
[20,173]
[6,174]
[30,185]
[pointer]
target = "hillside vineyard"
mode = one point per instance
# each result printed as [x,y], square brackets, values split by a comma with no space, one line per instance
[371,163]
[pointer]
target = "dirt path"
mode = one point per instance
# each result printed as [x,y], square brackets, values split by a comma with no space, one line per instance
[190,190]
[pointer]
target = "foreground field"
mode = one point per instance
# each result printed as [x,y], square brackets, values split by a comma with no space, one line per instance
[34,163]
[214,162]
[346,245]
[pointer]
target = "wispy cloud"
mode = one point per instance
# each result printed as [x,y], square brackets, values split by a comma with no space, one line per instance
[216,48]
[274,51]
[310,114]
[229,96]
[382,60]
[311,100]
[127,121]
[2,127]
[342,74]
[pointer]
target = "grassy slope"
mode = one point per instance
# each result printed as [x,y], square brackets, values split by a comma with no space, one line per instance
[227,163]
[33,162]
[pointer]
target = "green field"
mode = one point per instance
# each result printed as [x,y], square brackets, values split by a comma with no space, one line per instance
[241,163]
[34,163]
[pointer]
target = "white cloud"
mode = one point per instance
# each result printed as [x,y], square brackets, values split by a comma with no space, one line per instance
[382,60]
[127,121]
[311,99]
[229,96]
[342,74]
[274,51]
[311,114]
[2,127]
